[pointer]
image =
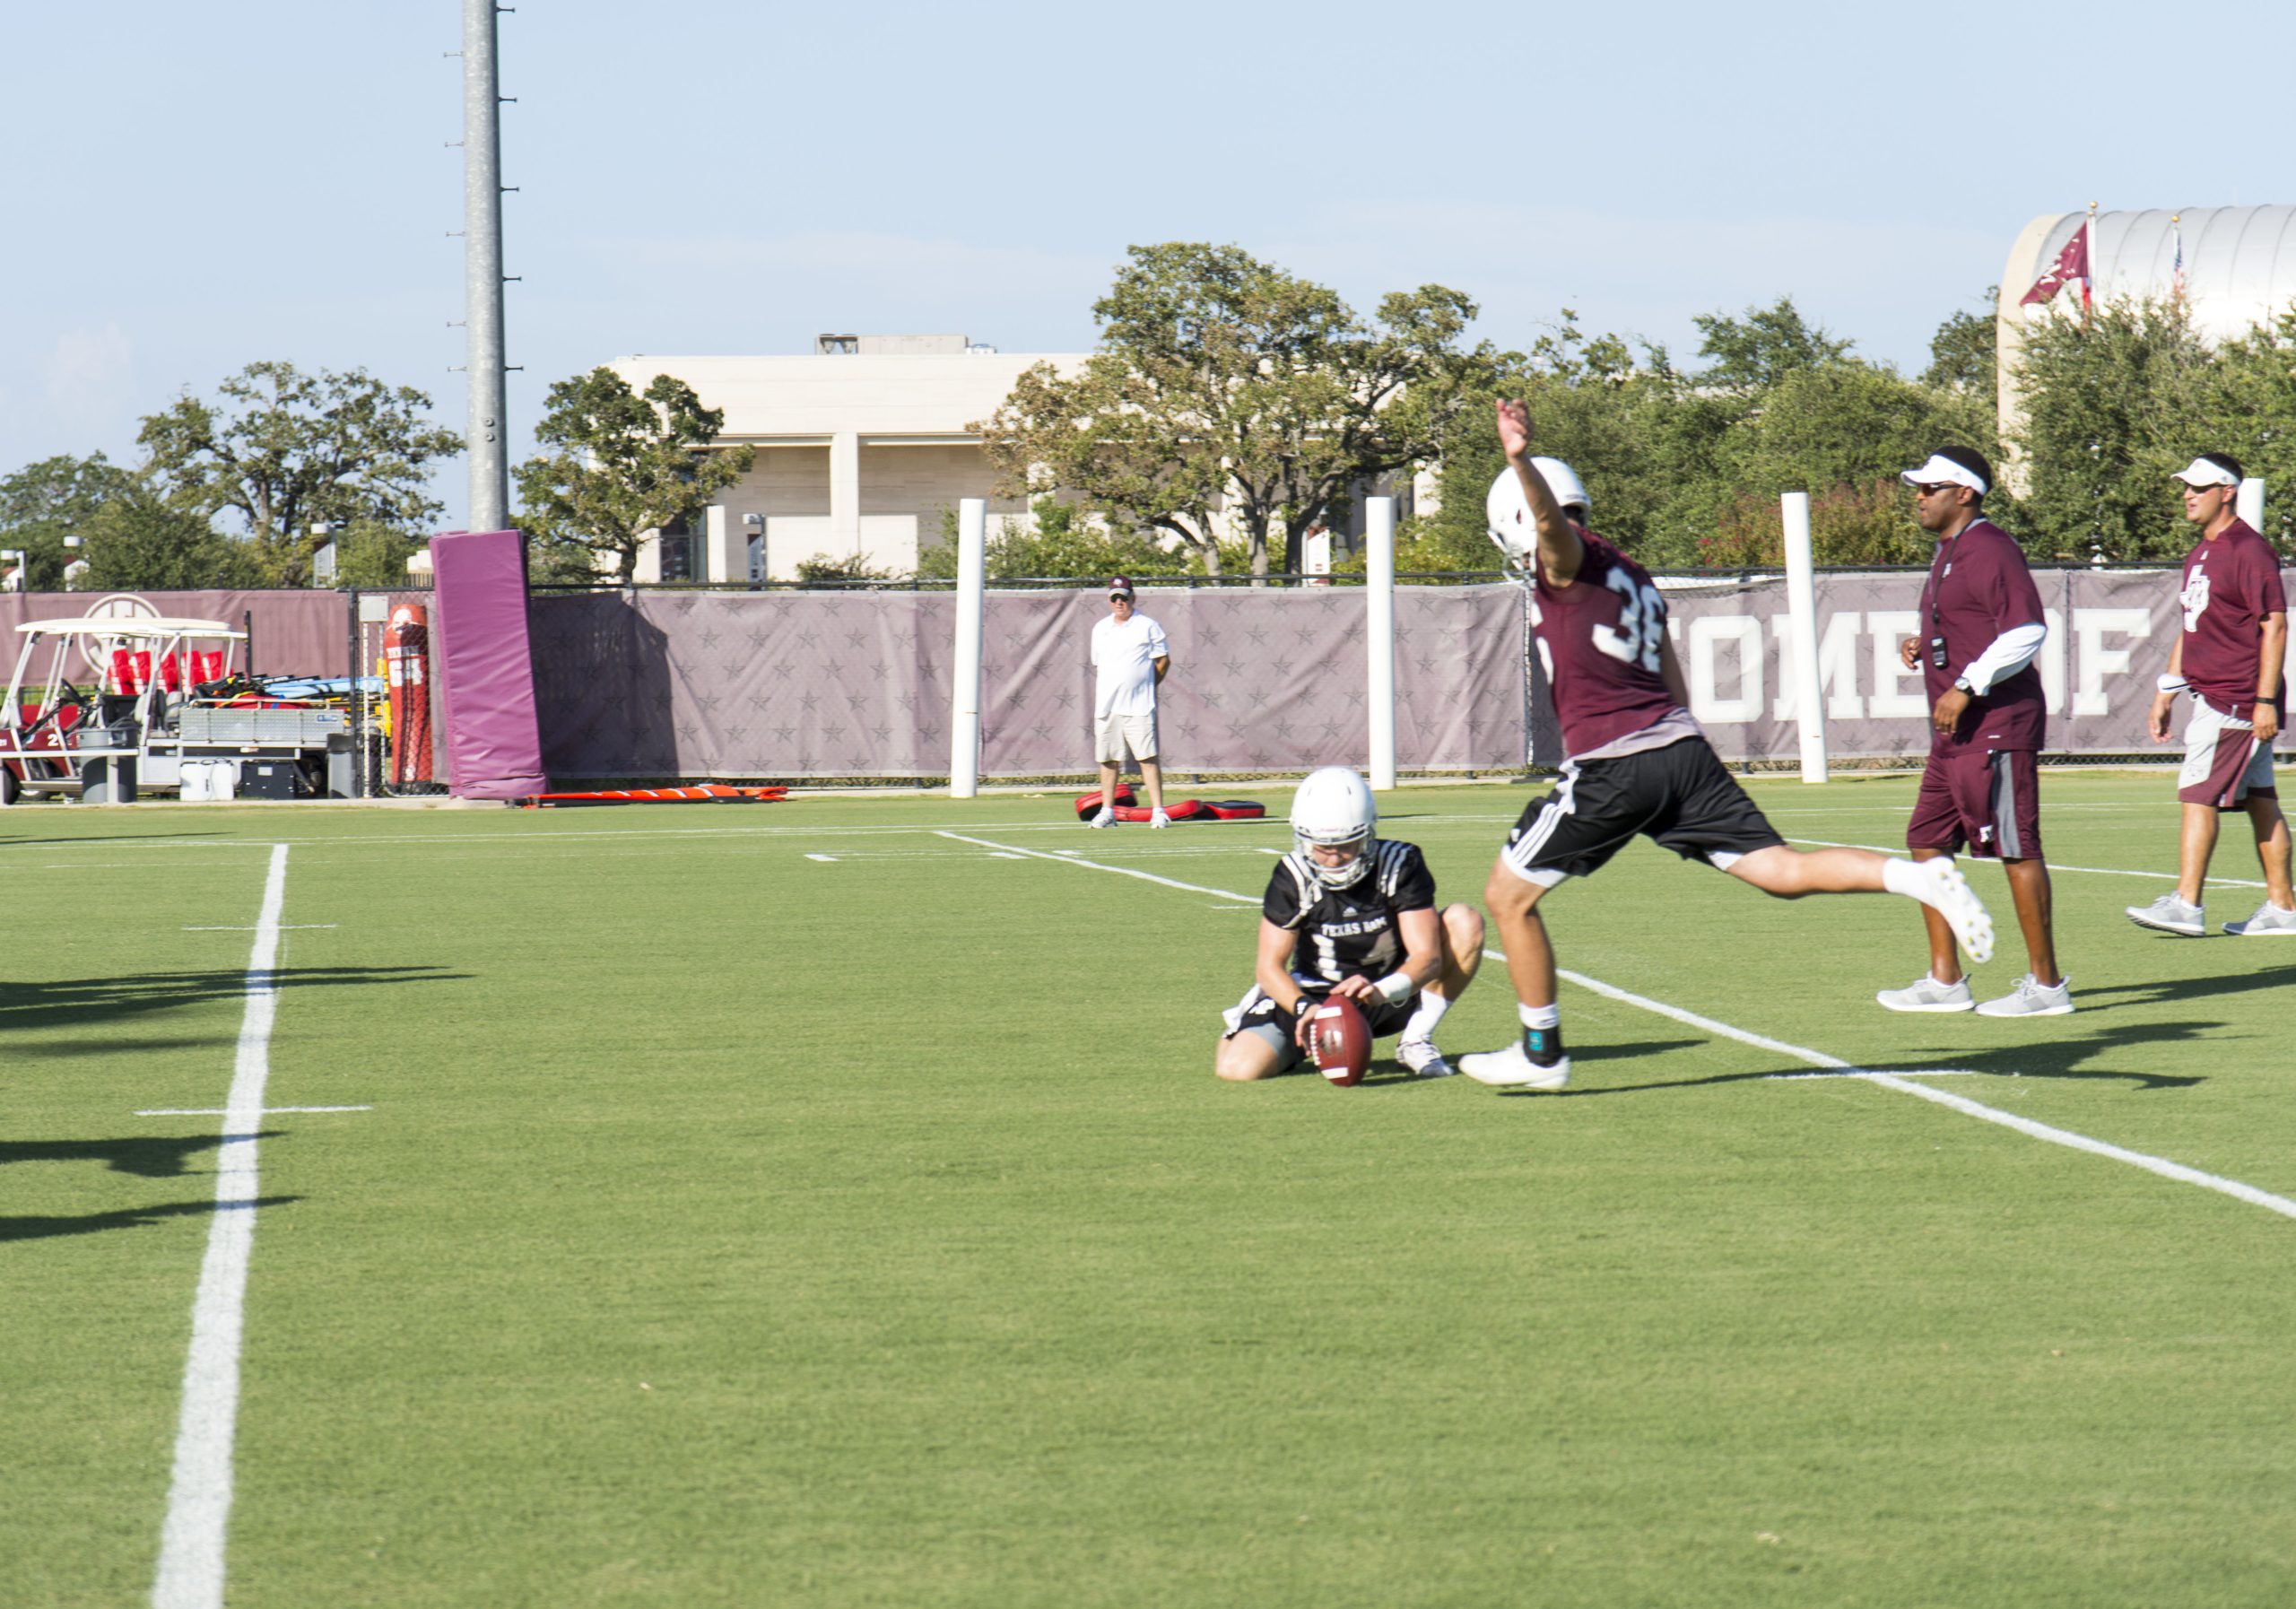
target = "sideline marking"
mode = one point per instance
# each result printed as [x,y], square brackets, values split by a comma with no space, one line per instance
[199,1494]
[1832,1065]
[225,1111]
[825,857]
[284,927]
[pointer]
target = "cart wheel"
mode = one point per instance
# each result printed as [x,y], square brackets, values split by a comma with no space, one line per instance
[9,790]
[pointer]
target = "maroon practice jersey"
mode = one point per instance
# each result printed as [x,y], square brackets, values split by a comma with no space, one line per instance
[1977,588]
[1599,641]
[2231,584]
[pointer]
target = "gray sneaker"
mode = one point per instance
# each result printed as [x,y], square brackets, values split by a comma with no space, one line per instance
[1925,993]
[1107,818]
[1423,1060]
[2269,922]
[2032,999]
[2169,914]
[1513,1069]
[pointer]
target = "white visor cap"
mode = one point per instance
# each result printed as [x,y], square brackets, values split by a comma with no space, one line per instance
[1941,471]
[2201,471]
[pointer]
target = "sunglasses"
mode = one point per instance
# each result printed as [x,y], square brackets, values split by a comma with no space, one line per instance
[1932,490]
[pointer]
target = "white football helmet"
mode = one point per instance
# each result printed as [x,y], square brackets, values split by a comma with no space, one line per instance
[1334,807]
[1508,513]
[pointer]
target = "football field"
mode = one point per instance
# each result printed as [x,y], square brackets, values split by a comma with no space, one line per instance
[832,1204]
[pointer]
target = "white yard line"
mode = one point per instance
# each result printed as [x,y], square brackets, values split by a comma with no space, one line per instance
[199,1495]
[222,1111]
[1815,1058]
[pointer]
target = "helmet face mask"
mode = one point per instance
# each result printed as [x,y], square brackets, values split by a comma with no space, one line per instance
[1334,809]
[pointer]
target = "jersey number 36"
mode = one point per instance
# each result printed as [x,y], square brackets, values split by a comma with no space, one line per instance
[1641,623]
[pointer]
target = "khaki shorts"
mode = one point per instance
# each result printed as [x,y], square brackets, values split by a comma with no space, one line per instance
[2223,761]
[1120,732]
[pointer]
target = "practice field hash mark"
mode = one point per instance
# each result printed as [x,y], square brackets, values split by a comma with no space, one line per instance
[2161,1166]
[190,1573]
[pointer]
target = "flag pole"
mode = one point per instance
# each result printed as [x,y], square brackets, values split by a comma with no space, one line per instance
[2089,265]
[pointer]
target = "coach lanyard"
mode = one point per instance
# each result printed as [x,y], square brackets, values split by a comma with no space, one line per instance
[1937,582]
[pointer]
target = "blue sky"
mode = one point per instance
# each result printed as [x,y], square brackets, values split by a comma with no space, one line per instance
[194,188]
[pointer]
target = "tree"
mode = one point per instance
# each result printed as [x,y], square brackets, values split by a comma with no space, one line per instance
[1057,542]
[1755,353]
[286,450]
[1228,391]
[142,540]
[2113,403]
[628,463]
[43,503]
[1963,352]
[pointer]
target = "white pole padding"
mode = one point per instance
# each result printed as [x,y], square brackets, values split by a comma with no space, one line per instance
[964,690]
[1379,636]
[2250,504]
[1802,627]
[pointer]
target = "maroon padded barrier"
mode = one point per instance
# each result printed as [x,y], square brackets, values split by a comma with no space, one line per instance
[485,669]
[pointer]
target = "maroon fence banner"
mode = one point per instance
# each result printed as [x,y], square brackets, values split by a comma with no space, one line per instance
[294,633]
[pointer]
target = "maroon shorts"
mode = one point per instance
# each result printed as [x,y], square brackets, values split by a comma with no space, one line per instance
[1988,801]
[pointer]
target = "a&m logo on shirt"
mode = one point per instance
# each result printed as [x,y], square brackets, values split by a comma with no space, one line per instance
[2195,598]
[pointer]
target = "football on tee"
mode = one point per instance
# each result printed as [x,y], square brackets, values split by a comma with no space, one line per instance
[1341,1040]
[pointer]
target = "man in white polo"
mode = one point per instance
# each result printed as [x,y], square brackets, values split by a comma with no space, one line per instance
[1129,657]
[2227,660]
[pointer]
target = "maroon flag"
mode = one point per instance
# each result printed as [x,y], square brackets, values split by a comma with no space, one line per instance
[2071,264]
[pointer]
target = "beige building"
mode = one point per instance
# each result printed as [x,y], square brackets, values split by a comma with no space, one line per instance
[862,446]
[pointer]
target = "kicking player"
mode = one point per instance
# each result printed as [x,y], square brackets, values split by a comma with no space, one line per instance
[1637,764]
[1982,623]
[1347,913]
[2228,658]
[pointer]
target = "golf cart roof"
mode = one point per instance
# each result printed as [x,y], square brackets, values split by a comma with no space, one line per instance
[113,625]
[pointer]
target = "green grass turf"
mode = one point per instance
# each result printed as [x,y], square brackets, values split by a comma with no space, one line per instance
[736,1228]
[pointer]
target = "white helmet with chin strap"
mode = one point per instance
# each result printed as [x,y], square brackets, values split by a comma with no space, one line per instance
[1507,512]
[1334,808]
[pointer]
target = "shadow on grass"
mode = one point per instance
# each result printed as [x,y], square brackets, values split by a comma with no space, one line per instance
[2168,991]
[68,1047]
[64,1002]
[147,1156]
[113,838]
[96,1223]
[2061,1058]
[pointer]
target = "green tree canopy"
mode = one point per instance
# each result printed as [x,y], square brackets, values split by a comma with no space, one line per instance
[43,503]
[284,450]
[143,540]
[627,464]
[1225,389]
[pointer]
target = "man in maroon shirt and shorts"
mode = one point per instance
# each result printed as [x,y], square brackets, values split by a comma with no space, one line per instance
[1637,764]
[1981,626]
[2228,658]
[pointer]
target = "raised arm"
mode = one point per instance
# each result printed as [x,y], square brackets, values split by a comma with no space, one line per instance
[1561,551]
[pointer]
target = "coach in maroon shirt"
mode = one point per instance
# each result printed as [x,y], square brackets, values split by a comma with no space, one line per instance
[2228,660]
[1980,627]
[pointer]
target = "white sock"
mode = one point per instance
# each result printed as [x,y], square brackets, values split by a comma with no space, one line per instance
[1539,1016]
[1431,1007]
[1903,877]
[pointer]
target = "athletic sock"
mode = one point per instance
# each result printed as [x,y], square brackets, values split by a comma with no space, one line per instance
[1422,1026]
[1903,877]
[1540,1016]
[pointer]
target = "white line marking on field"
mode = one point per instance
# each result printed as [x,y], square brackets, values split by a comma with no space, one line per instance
[225,1111]
[284,927]
[2054,865]
[1818,1058]
[1902,1073]
[199,1494]
[825,857]
[1004,855]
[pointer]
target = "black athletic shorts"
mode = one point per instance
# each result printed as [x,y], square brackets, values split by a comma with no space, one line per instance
[1682,795]
[1258,1013]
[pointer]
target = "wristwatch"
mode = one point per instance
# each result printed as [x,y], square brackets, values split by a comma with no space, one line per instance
[1961,684]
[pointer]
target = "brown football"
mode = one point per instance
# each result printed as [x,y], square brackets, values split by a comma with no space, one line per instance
[1341,1040]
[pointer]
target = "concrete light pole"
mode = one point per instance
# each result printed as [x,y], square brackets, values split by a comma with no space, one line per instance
[490,469]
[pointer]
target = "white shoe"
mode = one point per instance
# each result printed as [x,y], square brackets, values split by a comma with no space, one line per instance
[1925,993]
[2171,914]
[1424,1059]
[2269,922]
[1107,818]
[1160,820]
[2032,999]
[1513,1069]
[1951,896]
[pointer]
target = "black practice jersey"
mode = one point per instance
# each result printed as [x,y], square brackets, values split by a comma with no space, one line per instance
[1345,931]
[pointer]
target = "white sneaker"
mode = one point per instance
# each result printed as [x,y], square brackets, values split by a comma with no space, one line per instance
[1951,896]
[1107,818]
[1513,1069]
[2269,922]
[2169,914]
[1160,820]
[1925,993]
[1424,1059]
[2031,1000]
